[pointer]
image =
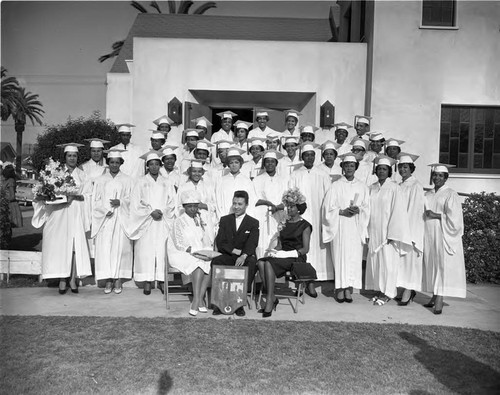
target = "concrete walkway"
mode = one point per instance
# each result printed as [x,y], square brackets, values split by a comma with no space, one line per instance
[480,310]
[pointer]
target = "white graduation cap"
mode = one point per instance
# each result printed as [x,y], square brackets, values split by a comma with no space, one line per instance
[125,127]
[328,144]
[256,141]
[152,154]
[376,136]
[261,113]
[201,121]
[440,167]
[292,113]
[348,157]
[342,126]
[223,144]
[273,154]
[235,151]
[191,196]
[308,128]
[204,145]
[308,146]
[168,149]
[384,160]
[97,143]
[227,114]
[360,143]
[273,136]
[362,119]
[197,164]
[163,119]
[404,157]
[290,140]
[114,153]
[393,142]
[242,125]
[157,135]
[191,133]
[70,147]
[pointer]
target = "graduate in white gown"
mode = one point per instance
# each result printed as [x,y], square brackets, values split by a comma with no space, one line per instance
[253,166]
[346,212]
[308,135]
[96,165]
[365,170]
[269,187]
[224,133]
[133,164]
[292,123]
[262,130]
[329,164]
[291,159]
[410,269]
[389,233]
[173,134]
[444,265]
[314,184]
[65,252]
[196,181]
[189,235]
[170,170]
[342,137]
[233,180]
[392,149]
[152,206]
[111,198]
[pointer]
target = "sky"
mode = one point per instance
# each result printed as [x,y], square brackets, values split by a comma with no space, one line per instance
[52,48]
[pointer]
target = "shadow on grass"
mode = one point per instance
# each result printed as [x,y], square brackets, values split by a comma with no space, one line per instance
[165,383]
[453,368]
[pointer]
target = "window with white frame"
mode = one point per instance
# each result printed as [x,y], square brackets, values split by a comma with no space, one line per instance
[470,138]
[439,13]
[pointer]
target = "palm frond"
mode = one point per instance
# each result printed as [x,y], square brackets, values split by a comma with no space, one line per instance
[138,6]
[155,5]
[29,107]
[171,6]
[205,7]
[9,95]
[184,7]
[116,46]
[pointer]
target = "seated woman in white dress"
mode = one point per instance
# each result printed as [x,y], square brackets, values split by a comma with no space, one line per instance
[113,249]
[190,234]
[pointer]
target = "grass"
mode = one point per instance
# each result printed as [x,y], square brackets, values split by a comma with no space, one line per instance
[158,355]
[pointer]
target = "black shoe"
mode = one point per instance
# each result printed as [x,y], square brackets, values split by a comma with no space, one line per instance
[75,290]
[62,291]
[412,296]
[147,288]
[311,294]
[240,312]
[161,288]
[436,311]
[216,311]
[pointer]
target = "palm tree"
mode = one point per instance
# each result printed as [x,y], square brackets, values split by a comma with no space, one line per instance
[29,107]
[10,88]
[184,7]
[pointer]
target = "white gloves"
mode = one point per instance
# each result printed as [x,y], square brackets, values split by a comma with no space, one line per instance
[284,254]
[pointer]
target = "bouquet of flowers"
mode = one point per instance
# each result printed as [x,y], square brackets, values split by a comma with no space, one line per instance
[55,182]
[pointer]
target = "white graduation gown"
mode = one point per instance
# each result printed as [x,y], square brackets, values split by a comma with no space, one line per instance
[207,194]
[251,169]
[187,233]
[444,265]
[150,235]
[347,235]
[334,172]
[410,268]
[113,249]
[388,221]
[365,173]
[225,187]
[314,184]
[133,165]
[258,132]
[272,189]
[64,232]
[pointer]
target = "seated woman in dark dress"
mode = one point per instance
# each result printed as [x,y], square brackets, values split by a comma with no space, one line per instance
[293,245]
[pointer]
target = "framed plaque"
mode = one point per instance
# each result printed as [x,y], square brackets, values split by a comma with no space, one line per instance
[229,288]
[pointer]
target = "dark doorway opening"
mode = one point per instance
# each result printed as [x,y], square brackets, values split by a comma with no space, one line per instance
[244,114]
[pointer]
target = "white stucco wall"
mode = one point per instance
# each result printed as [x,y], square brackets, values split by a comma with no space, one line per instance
[416,70]
[119,97]
[164,68]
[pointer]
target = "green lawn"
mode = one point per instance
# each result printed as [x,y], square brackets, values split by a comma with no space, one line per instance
[129,355]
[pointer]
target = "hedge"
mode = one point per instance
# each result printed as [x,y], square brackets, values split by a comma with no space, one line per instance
[5,226]
[73,131]
[481,237]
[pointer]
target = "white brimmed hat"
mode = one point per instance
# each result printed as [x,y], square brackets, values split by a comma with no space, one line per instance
[97,143]
[125,127]
[393,143]
[152,154]
[404,157]
[201,121]
[227,114]
[362,119]
[192,196]
[292,113]
[162,120]
[273,154]
[70,147]
[114,153]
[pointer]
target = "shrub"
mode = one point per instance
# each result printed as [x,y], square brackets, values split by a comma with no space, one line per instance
[73,131]
[482,237]
[5,226]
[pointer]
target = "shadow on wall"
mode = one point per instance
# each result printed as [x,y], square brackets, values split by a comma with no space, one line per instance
[460,373]
[165,383]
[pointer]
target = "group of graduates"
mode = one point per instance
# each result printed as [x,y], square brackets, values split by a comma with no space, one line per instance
[137,211]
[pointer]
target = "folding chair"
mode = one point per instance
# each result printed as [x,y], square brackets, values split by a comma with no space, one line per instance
[283,291]
[175,286]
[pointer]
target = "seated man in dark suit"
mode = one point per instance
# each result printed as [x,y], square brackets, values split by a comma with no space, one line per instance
[237,240]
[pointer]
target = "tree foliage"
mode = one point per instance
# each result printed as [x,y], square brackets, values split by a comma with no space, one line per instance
[73,131]
[482,237]
[5,225]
